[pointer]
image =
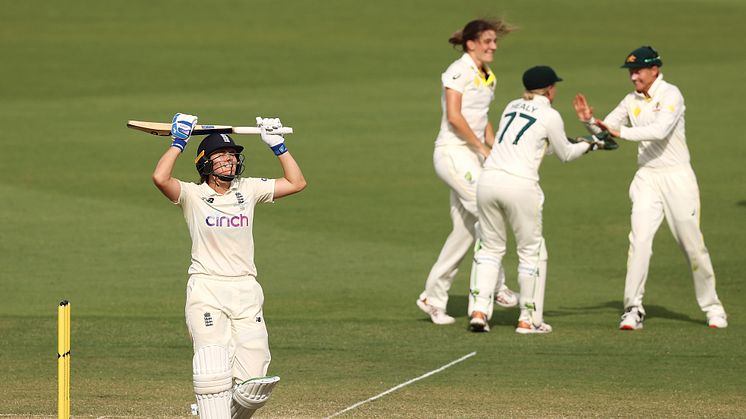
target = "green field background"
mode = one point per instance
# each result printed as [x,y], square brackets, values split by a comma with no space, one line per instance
[343,262]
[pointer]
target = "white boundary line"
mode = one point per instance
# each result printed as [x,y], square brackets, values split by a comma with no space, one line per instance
[393,389]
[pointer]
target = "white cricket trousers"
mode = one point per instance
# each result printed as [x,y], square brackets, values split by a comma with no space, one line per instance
[228,312]
[459,167]
[504,198]
[671,193]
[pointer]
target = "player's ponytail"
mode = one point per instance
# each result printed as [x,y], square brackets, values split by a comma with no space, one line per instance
[474,29]
[531,94]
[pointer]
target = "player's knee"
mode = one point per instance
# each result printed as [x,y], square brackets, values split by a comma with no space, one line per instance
[252,356]
[212,370]
[488,258]
[530,269]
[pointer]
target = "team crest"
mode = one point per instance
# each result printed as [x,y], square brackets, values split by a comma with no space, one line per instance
[631,59]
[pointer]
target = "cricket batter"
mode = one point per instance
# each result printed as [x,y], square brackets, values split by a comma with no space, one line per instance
[509,193]
[463,142]
[664,185]
[224,300]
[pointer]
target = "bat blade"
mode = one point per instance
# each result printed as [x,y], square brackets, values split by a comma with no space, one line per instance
[163,129]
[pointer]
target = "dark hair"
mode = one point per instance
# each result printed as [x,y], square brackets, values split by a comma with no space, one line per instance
[474,29]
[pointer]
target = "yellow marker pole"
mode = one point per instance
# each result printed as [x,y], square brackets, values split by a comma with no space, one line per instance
[63,360]
[68,358]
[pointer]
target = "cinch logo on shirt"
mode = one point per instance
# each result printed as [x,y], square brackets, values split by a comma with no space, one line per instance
[226,221]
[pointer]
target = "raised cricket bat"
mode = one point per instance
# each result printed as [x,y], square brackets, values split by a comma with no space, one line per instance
[164,129]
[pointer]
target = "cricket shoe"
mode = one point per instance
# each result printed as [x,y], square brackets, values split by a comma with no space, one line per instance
[631,320]
[504,297]
[437,315]
[719,321]
[527,328]
[478,322]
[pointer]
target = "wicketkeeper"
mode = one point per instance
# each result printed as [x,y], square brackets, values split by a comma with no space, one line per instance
[224,300]
[664,186]
[508,194]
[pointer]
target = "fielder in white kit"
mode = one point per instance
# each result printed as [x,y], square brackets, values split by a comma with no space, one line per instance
[224,300]
[509,192]
[663,187]
[460,148]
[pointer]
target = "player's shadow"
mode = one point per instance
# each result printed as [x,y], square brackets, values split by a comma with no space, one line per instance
[651,311]
[741,203]
[458,304]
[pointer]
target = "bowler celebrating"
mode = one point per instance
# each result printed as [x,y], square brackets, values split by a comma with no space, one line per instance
[463,142]
[664,186]
[224,300]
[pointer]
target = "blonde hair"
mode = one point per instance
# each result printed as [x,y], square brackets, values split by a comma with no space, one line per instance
[530,94]
[474,29]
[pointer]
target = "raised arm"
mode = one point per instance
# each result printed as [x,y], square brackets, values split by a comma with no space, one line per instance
[168,185]
[181,127]
[292,180]
[459,124]
[670,113]
[612,123]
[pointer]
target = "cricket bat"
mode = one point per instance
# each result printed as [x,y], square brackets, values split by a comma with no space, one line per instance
[164,129]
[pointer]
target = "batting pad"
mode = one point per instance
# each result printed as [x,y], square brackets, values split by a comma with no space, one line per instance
[251,395]
[212,381]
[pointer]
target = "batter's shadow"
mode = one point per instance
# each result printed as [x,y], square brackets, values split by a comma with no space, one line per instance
[458,304]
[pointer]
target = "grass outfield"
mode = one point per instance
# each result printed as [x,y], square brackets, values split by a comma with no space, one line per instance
[343,262]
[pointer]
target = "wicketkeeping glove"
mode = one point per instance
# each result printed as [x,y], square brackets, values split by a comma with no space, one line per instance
[600,141]
[181,129]
[275,141]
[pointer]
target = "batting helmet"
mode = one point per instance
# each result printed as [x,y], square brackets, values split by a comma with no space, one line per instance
[211,144]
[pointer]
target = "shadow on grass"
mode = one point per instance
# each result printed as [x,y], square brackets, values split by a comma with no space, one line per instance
[457,306]
[651,311]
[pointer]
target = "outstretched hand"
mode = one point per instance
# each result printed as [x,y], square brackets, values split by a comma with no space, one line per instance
[582,109]
[612,132]
[602,141]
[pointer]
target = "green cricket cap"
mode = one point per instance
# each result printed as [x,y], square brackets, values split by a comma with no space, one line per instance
[539,77]
[643,57]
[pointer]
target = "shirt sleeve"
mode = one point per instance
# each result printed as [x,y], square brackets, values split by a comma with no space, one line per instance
[617,118]
[456,77]
[184,194]
[670,111]
[263,189]
[563,149]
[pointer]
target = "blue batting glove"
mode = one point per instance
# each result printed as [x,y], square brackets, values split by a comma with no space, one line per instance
[181,129]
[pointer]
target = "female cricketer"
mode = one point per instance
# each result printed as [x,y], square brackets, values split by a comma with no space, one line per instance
[509,193]
[224,300]
[663,187]
[463,142]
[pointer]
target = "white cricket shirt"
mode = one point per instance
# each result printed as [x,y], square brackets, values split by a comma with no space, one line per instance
[656,122]
[221,226]
[527,129]
[477,93]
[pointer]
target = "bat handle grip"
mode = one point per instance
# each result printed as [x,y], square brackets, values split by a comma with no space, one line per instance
[256,130]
